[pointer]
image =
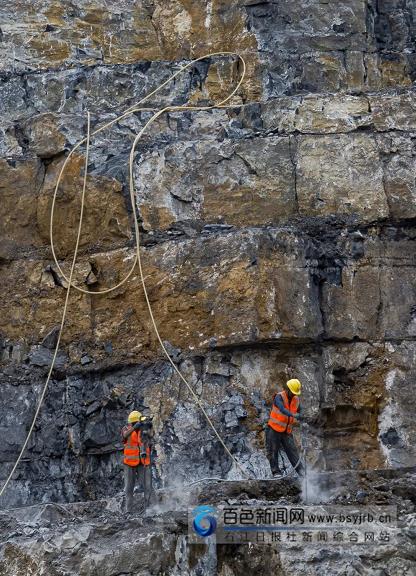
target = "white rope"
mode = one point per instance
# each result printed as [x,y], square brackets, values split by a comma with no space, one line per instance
[135,108]
[45,388]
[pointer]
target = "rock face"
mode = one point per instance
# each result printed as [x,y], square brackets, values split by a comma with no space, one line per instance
[278,238]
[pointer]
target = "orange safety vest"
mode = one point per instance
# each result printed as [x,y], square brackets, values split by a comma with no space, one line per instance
[132,448]
[279,421]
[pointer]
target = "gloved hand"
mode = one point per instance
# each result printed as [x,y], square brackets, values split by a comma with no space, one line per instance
[136,426]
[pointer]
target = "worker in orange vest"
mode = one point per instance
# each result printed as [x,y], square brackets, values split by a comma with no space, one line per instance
[136,455]
[284,412]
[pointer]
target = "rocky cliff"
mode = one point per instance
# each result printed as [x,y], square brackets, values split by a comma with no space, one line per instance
[278,235]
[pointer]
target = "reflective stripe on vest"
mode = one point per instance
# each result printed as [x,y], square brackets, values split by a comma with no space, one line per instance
[279,421]
[132,448]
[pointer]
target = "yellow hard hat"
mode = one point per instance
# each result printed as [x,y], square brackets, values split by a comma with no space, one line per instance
[134,416]
[294,386]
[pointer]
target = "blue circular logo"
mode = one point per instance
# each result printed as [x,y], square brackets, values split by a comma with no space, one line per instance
[204,524]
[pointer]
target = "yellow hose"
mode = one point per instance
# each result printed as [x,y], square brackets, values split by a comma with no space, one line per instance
[42,396]
[135,108]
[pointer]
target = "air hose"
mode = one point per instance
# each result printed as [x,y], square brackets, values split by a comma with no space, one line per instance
[137,260]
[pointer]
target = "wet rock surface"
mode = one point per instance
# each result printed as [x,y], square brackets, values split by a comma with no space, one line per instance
[278,240]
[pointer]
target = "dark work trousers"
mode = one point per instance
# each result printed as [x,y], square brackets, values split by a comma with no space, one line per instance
[132,474]
[143,476]
[282,442]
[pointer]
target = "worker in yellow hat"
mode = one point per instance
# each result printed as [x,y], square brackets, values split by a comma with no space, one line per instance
[284,413]
[136,454]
